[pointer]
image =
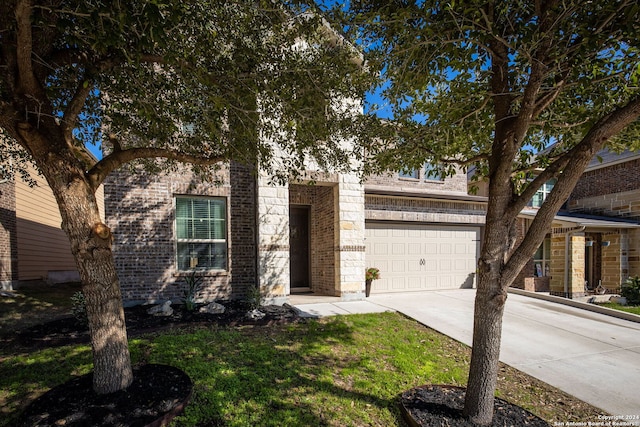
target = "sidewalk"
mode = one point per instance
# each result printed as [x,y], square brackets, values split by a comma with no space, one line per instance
[592,356]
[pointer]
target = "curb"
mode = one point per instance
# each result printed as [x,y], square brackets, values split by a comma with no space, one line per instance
[578,304]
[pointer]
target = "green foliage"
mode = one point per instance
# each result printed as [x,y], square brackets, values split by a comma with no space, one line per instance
[573,62]
[190,295]
[372,273]
[631,290]
[79,307]
[340,371]
[196,77]
[254,297]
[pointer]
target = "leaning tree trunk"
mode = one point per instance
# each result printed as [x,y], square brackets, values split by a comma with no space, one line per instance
[91,246]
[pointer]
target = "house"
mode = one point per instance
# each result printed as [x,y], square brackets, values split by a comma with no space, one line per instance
[422,232]
[32,244]
[595,239]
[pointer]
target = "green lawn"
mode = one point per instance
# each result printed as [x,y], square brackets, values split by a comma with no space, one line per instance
[339,371]
[635,309]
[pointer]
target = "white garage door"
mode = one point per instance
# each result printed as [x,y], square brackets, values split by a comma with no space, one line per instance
[415,257]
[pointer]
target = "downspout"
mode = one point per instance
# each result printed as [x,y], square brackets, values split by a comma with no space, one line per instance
[567,242]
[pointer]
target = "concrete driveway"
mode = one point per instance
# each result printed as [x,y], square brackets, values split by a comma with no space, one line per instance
[591,356]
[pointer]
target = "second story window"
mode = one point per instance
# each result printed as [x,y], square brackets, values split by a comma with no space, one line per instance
[542,193]
[432,173]
[429,172]
[412,173]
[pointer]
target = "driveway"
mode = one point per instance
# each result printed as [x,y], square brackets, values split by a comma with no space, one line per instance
[591,356]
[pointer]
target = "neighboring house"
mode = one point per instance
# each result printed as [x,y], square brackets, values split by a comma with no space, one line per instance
[595,238]
[421,232]
[32,244]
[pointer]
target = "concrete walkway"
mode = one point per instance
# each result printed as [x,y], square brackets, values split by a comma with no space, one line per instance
[592,356]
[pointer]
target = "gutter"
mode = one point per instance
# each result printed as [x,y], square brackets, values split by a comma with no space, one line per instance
[567,241]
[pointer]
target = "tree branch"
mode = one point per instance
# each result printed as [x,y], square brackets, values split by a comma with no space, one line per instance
[74,108]
[113,161]
[26,77]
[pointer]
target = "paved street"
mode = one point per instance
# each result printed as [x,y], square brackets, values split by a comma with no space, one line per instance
[592,356]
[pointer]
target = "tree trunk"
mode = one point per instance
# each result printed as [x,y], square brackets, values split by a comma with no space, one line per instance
[91,246]
[485,353]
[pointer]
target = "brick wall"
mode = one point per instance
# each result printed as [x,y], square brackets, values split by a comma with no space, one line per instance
[610,191]
[617,178]
[140,211]
[395,208]
[8,237]
[452,184]
[320,199]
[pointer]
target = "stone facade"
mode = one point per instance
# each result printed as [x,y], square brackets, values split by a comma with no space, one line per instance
[567,262]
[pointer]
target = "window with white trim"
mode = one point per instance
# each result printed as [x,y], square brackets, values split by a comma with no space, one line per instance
[542,193]
[201,233]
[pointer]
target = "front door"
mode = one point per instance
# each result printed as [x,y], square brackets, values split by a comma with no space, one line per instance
[299,246]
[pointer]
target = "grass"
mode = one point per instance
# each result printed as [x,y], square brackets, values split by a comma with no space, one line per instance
[30,303]
[338,371]
[635,309]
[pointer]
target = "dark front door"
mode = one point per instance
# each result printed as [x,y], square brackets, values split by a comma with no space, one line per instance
[299,246]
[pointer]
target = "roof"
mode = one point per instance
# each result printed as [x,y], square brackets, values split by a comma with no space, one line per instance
[589,221]
[606,158]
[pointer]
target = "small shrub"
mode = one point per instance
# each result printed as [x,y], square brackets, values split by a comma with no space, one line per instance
[194,284]
[372,273]
[631,290]
[254,297]
[79,307]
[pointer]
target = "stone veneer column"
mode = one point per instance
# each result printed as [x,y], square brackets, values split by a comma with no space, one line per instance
[273,241]
[575,266]
[614,261]
[633,254]
[349,238]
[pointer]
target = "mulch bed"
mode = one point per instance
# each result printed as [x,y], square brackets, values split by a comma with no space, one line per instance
[442,405]
[158,392]
[68,330]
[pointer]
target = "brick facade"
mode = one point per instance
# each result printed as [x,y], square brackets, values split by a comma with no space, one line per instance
[8,236]
[140,212]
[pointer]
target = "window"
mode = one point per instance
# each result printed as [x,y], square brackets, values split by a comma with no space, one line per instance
[542,193]
[431,173]
[201,233]
[412,173]
[542,259]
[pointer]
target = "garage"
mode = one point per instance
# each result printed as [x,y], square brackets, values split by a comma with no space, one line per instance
[418,257]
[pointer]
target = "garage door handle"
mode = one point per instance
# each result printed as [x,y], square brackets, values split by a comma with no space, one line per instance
[422,261]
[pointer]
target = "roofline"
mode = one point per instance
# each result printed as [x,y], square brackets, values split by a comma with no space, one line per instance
[613,163]
[586,222]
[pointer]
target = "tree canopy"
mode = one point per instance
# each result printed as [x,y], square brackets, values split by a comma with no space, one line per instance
[562,65]
[519,91]
[178,80]
[155,82]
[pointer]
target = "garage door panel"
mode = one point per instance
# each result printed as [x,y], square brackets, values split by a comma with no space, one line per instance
[431,248]
[398,248]
[415,257]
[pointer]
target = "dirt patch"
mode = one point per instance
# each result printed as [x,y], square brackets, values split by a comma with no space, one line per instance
[441,406]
